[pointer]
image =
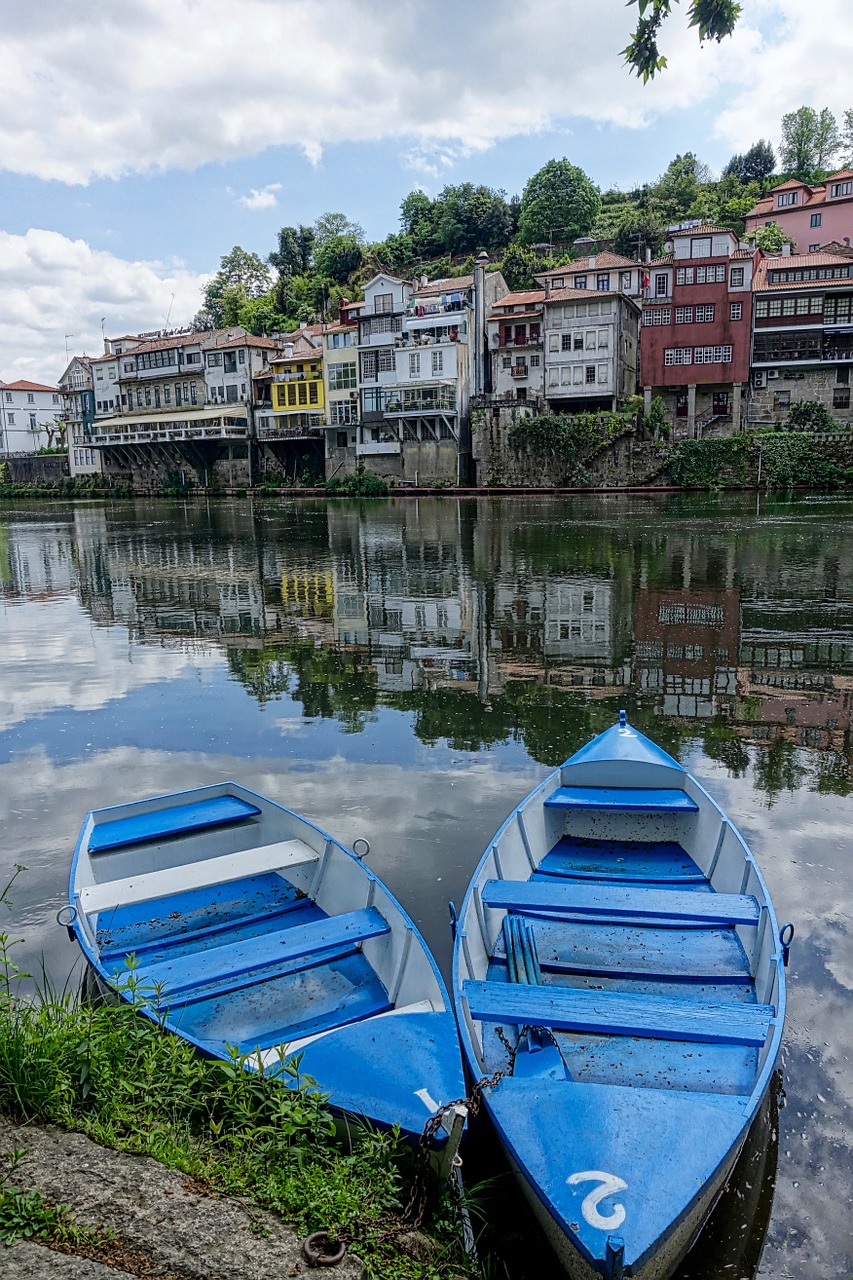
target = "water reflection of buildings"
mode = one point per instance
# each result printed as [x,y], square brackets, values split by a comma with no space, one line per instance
[425,596]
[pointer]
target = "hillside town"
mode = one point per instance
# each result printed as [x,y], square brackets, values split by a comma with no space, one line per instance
[719,334]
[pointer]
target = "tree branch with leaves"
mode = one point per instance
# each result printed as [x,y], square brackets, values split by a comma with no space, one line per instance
[715,20]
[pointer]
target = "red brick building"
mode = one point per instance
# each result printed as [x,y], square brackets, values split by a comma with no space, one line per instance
[694,348]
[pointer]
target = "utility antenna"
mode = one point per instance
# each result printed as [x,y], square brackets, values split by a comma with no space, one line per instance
[169,312]
[67,336]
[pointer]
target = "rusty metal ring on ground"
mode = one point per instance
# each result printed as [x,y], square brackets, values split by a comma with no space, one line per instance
[316,1250]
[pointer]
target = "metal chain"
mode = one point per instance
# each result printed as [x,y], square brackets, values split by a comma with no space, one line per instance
[415,1209]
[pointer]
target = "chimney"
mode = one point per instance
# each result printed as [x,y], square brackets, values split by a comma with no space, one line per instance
[648,253]
[479,347]
[547,286]
[424,281]
[288,350]
[591,261]
[786,249]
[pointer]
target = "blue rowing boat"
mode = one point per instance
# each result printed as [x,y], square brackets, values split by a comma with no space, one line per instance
[618,955]
[251,927]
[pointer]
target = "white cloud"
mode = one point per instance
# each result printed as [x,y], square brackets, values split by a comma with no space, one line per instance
[261,198]
[52,286]
[96,91]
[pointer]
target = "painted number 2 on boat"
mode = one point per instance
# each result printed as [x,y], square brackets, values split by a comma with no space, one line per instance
[610,1184]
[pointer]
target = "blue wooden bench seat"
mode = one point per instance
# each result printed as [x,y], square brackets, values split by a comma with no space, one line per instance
[216,970]
[631,799]
[622,902]
[179,820]
[657,861]
[611,1013]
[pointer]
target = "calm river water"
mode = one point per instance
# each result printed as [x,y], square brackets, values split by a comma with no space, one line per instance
[406,670]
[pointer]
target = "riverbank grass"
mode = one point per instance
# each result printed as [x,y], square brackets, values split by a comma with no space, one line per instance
[126,1083]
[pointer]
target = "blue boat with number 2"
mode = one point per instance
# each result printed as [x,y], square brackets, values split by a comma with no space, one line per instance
[251,927]
[617,954]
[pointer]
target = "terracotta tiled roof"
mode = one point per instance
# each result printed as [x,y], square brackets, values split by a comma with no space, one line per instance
[580,295]
[761,206]
[801,262]
[835,246]
[218,339]
[521,298]
[450,284]
[23,385]
[516,315]
[603,262]
[163,344]
[664,261]
[743,253]
[791,184]
[341,326]
[840,175]
[704,229]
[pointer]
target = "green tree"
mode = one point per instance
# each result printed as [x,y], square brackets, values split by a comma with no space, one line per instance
[638,229]
[678,189]
[241,275]
[519,265]
[467,218]
[755,165]
[559,202]
[770,238]
[338,257]
[293,256]
[846,146]
[331,225]
[810,140]
[810,415]
[714,19]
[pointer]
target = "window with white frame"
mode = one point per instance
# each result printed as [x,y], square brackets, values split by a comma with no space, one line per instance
[712,355]
[589,340]
[577,375]
[386,359]
[815,306]
[437,362]
[383,302]
[775,307]
[661,285]
[343,412]
[535,360]
[683,315]
[603,373]
[760,307]
[657,315]
[700,247]
[711,275]
[566,342]
[342,376]
[705,313]
[678,355]
[736,311]
[842,188]
[566,375]
[589,373]
[802,306]
[785,198]
[553,377]
[603,338]
[415,364]
[506,362]
[789,307]
[684,275]
[577,342]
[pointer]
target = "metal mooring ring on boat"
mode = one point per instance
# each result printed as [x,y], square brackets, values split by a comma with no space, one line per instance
[317,1250]
[786,937]
[366,843]
[72,916]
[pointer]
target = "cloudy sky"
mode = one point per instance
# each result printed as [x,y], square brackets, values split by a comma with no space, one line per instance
[140,142]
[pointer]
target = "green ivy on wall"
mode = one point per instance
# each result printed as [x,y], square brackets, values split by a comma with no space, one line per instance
[791,459]
[701,464]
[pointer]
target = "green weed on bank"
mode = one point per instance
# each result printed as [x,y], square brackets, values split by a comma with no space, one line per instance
[127,1083]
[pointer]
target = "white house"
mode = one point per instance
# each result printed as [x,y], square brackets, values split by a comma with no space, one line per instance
[30,416]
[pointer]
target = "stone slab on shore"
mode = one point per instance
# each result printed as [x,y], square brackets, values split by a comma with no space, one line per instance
[161,1224]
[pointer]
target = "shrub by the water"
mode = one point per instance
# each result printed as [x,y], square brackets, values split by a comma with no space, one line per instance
[359,484]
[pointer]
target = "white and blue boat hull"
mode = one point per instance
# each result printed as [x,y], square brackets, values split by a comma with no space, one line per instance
[620,916]
[240,923]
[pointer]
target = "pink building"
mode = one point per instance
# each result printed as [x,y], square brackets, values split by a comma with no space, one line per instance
[811,215]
